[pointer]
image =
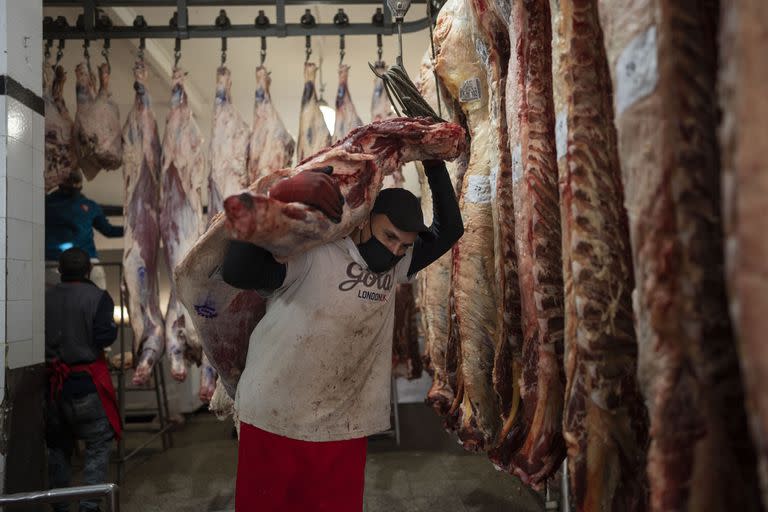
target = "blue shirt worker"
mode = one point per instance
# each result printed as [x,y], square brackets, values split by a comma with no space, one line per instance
[70,219]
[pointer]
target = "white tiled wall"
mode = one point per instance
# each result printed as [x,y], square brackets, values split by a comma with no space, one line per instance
[24,39]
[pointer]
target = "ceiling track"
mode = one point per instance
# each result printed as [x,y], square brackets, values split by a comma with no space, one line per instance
[93,27]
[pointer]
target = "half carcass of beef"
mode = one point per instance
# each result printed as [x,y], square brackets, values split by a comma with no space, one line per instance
[313,132]
[743,138]
[224,316]
[98,136]
[406,360]
[346,114]
[663,62]
[60,155]
[605,425]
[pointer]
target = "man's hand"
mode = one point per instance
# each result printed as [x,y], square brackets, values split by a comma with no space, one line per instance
[313,187]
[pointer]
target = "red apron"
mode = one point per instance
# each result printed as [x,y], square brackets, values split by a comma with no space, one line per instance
[58,372]
[278,474]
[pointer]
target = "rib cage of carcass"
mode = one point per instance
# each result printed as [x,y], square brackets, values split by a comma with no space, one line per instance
[224,316]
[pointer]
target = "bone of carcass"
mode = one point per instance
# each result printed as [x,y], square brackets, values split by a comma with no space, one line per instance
[141,178]
[462,70]
[60,156]
[208,378]
[224,316]
[663,62]
[743,73]
[346,114]
[605,425]
[181,217]
[98,137]
[313,132]
[271,146]
[229,146]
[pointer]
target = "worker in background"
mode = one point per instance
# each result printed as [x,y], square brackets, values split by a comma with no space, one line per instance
[317,377]
[81,401]
[70,219]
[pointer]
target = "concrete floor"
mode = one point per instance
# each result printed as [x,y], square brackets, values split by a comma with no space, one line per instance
[428,472]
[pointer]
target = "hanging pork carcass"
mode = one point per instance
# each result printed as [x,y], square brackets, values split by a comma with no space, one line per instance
[141,181]
[60,156]
[181,217]
[359,162]
[663,63]
[228,151]
[462,71]
[313,132]
[271,146]
[744,104]
[605,423]
[98,137]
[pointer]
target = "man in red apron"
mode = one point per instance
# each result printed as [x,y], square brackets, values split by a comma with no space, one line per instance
[81,399]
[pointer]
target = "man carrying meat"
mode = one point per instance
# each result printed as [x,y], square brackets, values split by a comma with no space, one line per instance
[317,378]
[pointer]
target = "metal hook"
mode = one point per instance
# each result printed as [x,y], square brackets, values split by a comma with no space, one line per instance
[341,49]
[48,45]
[379,47]
[177,53]
[308,46]
[105,52]
[142,46]
[60,51]
[223,51]
[263,53]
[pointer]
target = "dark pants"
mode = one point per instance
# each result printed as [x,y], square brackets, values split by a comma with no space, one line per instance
[69,419]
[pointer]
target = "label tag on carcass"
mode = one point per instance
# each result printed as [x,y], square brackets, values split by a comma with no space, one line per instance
[478,189]
[637,70]
[517,163]
[561,133]
[470,90]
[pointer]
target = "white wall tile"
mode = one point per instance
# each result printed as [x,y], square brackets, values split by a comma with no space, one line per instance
[3,206]
[19,280]
[20,119]
[20,199]
[4,124]
[3,280]
[38,131]
[3,56]
[38,167]
[38,205]
[18,320]
[25,42]
[19,160]
[19,239]
[20,354]
[38,247]
[2,324]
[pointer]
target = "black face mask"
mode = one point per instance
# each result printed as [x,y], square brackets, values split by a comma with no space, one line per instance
[377,256]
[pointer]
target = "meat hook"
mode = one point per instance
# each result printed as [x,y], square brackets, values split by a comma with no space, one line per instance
[263,53]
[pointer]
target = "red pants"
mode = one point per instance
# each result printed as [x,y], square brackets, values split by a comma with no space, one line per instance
[278,474]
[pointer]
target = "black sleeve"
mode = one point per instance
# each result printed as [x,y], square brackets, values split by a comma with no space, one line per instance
[249,267]
[104,328]
[447,226]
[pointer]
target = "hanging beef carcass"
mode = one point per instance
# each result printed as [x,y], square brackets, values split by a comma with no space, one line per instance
[181,217]
[531,128]
[663,62]
[208,377]
[406,360]
[141,179]
[461,68]
[743,73]
[381,108]
[98,137]
[60,156]
[229,146]
[313,132]
[271,146]
[605,424]
[346,115]
[359,163]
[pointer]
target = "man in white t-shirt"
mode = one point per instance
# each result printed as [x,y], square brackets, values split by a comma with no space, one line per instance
[317,375]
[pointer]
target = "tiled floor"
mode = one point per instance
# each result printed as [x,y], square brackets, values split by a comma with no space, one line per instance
[429,472]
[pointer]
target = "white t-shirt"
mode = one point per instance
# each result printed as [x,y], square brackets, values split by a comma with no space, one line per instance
[319,362]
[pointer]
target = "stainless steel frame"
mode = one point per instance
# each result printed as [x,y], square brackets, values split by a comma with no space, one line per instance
[110,493]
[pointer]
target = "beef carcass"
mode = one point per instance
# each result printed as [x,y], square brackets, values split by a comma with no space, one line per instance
[460,67]
[228,151]
[98,137]
[208,378]
[313,132]
[381,108]
[141,179]
[271,146]
[533,178]
[346,115]
[181,217]
[223,316]
[406,360]
[60,156]
[663,62]
[605,425]
[743,71]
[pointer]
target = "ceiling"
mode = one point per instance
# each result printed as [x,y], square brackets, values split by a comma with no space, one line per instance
[201,57]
